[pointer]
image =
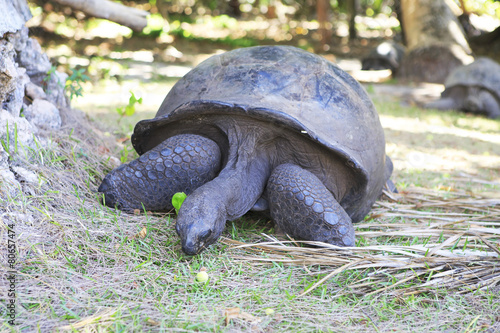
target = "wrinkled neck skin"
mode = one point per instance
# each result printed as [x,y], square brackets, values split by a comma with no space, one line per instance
[231,194]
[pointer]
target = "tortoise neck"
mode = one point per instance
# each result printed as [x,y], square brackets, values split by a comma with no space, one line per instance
[227,197]
[245,174]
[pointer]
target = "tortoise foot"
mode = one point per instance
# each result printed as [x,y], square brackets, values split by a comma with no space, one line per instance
[490,104]
[181,163]
[304,208]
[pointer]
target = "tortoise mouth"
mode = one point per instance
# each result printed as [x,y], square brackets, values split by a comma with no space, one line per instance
[191,251]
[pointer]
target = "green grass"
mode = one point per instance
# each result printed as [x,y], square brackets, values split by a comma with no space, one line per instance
[93,267]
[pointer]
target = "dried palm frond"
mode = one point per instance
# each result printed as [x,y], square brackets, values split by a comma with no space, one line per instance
[453,244]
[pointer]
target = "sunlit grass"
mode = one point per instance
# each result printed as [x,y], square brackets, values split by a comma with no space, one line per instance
[427,146]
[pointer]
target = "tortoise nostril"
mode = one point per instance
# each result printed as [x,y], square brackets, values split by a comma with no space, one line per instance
[190,248]
[204,235]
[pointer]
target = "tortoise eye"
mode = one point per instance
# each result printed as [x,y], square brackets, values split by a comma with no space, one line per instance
[205,234]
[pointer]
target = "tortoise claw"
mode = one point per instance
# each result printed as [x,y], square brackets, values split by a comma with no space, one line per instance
[108,198]
[104,186]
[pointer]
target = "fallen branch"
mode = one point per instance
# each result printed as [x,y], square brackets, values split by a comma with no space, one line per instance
[133,18]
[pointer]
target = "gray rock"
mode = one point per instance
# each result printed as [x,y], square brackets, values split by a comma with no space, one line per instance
[9,186]
[43,114]
[25,175]
[18,127]
[55,89]
[38,68]
[14,14]
[33,91]
[34,60]
[16,97]
[19,39]
[8,73]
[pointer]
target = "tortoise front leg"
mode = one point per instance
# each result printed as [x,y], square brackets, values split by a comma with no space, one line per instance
[304,208]
[445,104]
[491,105]
[181,163]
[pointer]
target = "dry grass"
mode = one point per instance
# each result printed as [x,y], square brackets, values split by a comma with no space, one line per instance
[455,249]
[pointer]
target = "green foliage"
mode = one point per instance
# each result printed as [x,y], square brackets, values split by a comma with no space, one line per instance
[489,7]
[74,83]
[48,77]
[223,21]
[6,143]
[156,26]
[177,30]
[177,200]
[124,154]
[129,109]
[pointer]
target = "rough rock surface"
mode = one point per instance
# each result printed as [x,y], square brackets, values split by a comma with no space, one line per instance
[9,186]
[12,128]
[33,91]
[14,14]
[43,114]
[32,98]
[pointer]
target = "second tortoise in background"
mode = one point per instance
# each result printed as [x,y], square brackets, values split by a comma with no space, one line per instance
[472,88]
[386,55]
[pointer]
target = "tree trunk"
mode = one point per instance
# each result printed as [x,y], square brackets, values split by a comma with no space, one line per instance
[352,9]
[399,15]
[133,18]
[487,44]
[436,42]
[428,22]
[322,11]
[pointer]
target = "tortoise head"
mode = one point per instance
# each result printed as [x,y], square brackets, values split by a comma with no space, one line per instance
[200,223]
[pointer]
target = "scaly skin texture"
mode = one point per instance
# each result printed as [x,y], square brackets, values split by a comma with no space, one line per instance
[181,163]
[302,207]
[255,150]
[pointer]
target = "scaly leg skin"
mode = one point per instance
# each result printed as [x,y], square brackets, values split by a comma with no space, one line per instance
[302,207]
[444,104]
[490,104]
[181,163]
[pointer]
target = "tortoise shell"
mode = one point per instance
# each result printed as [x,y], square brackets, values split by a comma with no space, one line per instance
[291,87]
[483,72]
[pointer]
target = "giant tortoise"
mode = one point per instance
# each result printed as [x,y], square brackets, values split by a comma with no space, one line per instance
[472,88]
[270,128]
[387,55]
